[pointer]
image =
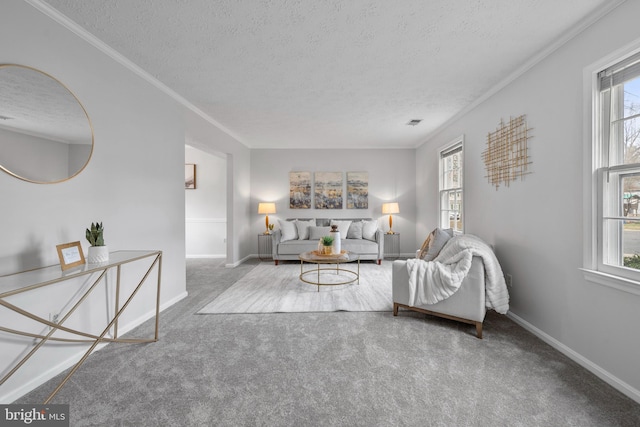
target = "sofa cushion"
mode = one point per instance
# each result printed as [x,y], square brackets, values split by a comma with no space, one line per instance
[303,228]
[316,233]
[355,230]
[369,229]
[288,230]
[360,246]
[296,247]
[343,227]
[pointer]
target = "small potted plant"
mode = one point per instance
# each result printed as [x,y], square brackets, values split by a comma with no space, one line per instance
[327,243]
[98,251]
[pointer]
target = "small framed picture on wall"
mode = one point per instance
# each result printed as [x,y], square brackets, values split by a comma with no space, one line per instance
[190,176]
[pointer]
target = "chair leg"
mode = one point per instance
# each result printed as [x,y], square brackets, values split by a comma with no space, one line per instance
[276,261]
[479,329]
[395,308]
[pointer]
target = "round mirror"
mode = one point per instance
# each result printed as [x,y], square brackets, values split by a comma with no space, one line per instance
[45,133]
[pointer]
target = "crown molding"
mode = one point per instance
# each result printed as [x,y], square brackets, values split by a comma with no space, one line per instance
[72,26]
[541,55]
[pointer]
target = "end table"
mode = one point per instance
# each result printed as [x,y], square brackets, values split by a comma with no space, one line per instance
[264,246]
[392,245]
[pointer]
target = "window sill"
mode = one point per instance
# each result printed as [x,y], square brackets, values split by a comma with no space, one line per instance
[612,281]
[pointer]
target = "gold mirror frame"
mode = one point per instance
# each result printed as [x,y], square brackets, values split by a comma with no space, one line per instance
[58,87]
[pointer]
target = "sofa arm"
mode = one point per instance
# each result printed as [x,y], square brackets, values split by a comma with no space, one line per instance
[276,235]
[380,241]
[400,282]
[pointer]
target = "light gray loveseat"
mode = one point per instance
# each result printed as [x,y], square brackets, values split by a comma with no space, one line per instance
[369,249]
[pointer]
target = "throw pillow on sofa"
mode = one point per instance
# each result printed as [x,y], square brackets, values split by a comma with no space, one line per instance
[369,230]
[303,228]
[316,233]
[425,247]
[355,230]
[288,230]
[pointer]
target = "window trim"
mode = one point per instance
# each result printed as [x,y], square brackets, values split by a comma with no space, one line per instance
[619,278]
[446,149]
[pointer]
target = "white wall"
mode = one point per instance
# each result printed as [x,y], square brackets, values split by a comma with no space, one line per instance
[206,206]
[391,178]
[536,224]
[133,183]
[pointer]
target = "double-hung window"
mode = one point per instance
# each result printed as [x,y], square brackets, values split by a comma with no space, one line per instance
[617,161]
[451,186]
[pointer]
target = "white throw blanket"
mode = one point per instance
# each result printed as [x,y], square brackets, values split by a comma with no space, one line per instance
[433,281]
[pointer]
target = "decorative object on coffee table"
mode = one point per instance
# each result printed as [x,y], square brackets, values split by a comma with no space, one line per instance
[335,233]
[389,209]
[266,209]
[327,243]
[98,251]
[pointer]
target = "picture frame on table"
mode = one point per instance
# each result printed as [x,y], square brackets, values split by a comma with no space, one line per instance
[70,255]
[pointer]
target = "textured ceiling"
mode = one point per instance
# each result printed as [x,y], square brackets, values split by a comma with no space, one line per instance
[343,74]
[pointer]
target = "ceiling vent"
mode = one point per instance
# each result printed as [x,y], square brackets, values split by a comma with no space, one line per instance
[414,122]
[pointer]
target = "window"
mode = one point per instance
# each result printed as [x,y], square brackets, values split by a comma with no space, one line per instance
[617,154]
[451,186]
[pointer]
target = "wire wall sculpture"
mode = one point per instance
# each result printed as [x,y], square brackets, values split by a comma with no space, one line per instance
[507,157]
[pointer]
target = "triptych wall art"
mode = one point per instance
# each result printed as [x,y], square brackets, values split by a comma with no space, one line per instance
[328,190]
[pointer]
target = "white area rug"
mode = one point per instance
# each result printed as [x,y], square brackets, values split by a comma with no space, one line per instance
[277,289]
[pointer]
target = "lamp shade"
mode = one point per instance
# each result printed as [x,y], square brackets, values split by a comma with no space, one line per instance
[266,208]
[390,208]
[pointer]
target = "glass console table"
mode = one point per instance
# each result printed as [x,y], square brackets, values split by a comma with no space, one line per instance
[26,281]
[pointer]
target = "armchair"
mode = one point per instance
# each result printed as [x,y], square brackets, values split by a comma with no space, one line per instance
[457,278]
[467,305]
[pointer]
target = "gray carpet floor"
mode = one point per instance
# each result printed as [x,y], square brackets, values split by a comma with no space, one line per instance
[331,369]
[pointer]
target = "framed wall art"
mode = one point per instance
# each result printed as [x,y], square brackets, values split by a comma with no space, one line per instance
[328,190]
[357,190]
[300,190]
[190,176]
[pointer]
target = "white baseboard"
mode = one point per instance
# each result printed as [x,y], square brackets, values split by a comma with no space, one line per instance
[36,382]
[207,256]
[604,375]
[237,263]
